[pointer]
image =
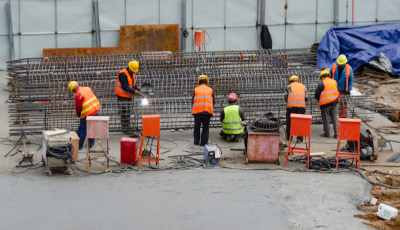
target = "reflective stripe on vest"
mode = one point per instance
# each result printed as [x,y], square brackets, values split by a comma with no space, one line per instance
[231,123]
[203,100]
[297,95]
[131,81]
[330,92]
[347,74]
[90,103]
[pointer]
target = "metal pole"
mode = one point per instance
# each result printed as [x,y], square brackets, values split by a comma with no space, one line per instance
[336,12]
[10,30]
[262,12]
[97,22]
[184,31]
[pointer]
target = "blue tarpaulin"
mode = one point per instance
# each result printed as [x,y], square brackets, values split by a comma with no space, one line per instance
[361,44]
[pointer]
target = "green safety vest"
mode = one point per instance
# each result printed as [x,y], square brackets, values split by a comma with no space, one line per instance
[231,123]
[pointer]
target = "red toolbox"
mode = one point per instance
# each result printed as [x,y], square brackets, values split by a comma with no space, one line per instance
[128,150]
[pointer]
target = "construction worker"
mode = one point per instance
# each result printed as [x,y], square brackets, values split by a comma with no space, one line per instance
[327,94]
[296,95]
[126,87]
[343,74]
[231,118]
[86,104]
[202,109]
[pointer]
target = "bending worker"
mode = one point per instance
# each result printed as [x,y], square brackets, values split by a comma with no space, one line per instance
[203,101]
[343,74]
[126,87]
[231,118]
[86,104]
[296,95]
[327,94]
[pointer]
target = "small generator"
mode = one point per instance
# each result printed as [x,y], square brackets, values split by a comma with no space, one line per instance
[212,154]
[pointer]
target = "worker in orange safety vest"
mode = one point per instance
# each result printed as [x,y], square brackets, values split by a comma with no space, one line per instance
[296,95]
[86,104]
[202,109]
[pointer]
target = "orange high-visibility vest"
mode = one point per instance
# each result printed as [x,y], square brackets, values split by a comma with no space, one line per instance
[131,81]
[330,92]
[203,100]
[347,74]
[297,95]
[90,103]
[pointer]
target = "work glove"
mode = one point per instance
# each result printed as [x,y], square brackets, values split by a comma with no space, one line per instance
[137,88]
[137,92]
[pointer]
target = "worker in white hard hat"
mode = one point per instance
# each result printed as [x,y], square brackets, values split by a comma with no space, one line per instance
[296,95]
[343,74]
[232,117]
[203,102]
[126,88]
[86,104]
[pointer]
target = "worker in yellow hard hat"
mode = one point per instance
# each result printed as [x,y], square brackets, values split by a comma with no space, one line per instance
[203,101]
[296,95]
[327,95]
[343,74]
[86,104]
[126,88]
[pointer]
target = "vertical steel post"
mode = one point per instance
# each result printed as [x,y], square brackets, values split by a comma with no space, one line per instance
[10,30]
[183,37]
[336,12]
[97,22]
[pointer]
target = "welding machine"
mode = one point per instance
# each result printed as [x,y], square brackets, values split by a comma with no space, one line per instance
[212,154]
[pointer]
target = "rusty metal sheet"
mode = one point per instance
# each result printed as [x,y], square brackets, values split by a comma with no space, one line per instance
[263,147]
[133,39]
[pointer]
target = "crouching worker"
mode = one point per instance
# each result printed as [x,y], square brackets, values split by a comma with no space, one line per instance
[86,104]
[231,118]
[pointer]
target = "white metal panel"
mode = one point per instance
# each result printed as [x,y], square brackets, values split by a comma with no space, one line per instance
[364,10]
[241,38]
[303,11]
[74,15]
[326,11]
[5,51]
[343,9]
[321,30]
[241,13]
[139,12]
[74,40]
[189,41]
[274,12]
[300,36]
[277,35]
[171,11]
[17,47]
[189,14]
[208,13]
[389,10]
[3,18]
[111,14]
[109,38]
[37,16]
[215,39]
[32,45]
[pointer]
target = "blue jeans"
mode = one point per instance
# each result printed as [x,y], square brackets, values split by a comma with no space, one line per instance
[82,133]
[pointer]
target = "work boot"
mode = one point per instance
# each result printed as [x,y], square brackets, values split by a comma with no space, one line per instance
[229,138]
[237,138]
[324,135]
[335,136]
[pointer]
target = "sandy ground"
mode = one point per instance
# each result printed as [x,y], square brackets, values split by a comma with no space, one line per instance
[180,199]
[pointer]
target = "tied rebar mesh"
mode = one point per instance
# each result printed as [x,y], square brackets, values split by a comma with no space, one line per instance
[39,96]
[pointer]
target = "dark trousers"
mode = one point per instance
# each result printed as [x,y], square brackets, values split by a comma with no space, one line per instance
[82,129]
[125,111]
[289,111]
[201,119]
[325,113]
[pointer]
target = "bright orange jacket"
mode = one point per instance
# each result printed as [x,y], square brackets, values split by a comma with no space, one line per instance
[330,92]
[347,74]
[203,100]
[297,95]
[90,103]
[131,81]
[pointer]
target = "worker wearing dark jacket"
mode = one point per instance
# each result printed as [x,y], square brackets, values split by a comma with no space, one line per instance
[126,87]
[296,95]
[86,104]
[231,118]
[202,109]
[343,74]
[327,94]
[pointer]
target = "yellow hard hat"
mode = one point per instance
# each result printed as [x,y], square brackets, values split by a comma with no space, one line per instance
[201,78]
[294,77]
[133,66]
[72,85]
[342,59]
[324,72]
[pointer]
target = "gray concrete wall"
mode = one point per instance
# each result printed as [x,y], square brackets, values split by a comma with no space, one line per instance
[230,24]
